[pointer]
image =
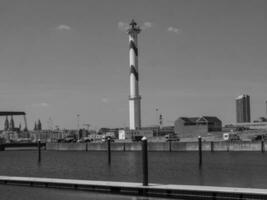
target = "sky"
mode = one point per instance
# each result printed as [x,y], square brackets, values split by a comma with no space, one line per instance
[66,62]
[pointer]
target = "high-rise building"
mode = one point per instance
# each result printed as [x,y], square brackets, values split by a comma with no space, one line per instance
[243,108]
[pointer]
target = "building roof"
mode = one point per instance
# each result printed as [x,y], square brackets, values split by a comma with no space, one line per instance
[242,96]
[194,120]
[211,118]
[190,119]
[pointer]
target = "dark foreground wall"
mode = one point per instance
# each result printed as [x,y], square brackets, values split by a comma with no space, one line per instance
[160,146]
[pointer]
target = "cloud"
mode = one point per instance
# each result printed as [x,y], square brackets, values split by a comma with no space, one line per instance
[173,29]
[123,26]
[105,100]
[39,105]
[63,27]
[146,25]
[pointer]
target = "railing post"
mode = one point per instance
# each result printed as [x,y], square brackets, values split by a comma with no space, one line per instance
[39,150]
[200,150]
[170,146]
[212,146]
[145,161]
[228,146]
[109,152]
[262,146]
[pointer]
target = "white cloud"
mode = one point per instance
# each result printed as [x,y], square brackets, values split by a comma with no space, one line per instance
[38,105]
[146,25]
[122,26]
[63,27]
[173,29]
[105,100]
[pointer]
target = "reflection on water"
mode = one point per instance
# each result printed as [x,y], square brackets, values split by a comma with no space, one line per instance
[239,169]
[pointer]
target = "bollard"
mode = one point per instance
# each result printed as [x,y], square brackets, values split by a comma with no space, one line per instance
[170,146]
[145,161]
[200,150]
[2,147]
[228,146]
[86,146]
[39,150]
[262,146]
[109,153]
[212,146]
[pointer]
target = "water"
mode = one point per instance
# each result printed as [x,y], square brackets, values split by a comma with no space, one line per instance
[237,169]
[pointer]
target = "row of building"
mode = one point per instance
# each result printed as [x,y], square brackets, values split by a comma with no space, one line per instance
[183,127]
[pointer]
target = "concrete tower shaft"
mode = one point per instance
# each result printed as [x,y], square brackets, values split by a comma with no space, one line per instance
[134,98]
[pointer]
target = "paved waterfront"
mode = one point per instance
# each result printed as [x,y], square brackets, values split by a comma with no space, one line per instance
[31,193]
[160,190]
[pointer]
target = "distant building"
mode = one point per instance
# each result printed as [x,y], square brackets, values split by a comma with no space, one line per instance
[148,131]
[39,125]
[122,134]
[243,109]
[260,119]
[166,130]
[155,130]
[11,124]
[133,134]
[109,131]
[195,126]
[6,126]
[253,126]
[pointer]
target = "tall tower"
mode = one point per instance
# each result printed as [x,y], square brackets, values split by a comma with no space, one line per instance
[11,124]
[134,98]
[6,126]
[39,125]
[243,108]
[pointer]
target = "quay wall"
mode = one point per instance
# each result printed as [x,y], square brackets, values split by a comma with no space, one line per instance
[161,146]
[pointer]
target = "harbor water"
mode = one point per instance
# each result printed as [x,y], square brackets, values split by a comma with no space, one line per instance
[230,169]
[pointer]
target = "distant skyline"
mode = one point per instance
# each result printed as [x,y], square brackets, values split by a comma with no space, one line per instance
[63,58]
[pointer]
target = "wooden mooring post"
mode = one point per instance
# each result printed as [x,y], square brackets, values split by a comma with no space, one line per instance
[39,150]
[145,161]
[109,152]
[200,151]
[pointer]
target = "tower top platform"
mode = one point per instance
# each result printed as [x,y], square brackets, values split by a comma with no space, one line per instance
[133,28]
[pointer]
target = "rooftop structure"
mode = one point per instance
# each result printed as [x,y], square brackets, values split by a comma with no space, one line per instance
[10,124]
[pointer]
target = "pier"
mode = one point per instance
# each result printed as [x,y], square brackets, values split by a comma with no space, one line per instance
[129,188]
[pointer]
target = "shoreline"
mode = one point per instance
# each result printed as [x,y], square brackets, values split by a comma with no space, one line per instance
[161,146]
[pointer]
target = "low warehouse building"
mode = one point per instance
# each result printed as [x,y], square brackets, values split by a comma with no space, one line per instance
[195,126]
